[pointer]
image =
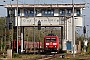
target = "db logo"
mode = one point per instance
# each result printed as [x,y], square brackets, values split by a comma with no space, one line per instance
[50,43]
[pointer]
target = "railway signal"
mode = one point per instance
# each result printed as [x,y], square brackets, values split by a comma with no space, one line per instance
[39,28]
[10,25]
[39,25]
[84,29]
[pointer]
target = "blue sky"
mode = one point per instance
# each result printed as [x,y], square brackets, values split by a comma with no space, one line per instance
[85,12]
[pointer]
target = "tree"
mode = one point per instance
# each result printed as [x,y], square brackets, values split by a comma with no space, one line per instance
[88,48]
[80,38]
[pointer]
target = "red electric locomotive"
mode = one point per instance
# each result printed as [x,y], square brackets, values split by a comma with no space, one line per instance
[51,43]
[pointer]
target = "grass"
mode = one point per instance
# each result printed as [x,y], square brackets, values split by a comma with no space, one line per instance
[25,56]
[77,57]
[67,59]
[30,56]
[16,56]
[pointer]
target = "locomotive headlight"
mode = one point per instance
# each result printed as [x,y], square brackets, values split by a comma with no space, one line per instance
[54,43]
[46,46]
[55,46]
[47,43]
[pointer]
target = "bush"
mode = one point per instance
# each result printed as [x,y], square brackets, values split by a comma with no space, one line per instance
[15,55]
[88,48]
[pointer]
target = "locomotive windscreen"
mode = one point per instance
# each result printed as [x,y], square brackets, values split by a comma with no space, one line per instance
[51,39]
[48,39]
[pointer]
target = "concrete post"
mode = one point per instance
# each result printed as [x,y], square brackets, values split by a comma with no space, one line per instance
[9,53]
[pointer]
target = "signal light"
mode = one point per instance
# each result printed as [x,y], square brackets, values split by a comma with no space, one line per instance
[4,1]
[10,25]
[39,25]
[84,29]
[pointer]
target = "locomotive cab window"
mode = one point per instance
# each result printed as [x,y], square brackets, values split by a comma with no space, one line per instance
[53,39]
[48,39]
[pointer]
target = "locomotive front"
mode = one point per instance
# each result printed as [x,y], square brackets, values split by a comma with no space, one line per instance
[51,43]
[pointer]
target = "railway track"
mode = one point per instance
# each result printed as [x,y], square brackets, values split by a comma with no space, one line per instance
[46,57]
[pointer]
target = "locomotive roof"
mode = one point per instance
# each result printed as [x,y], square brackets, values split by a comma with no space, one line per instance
[51,35]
